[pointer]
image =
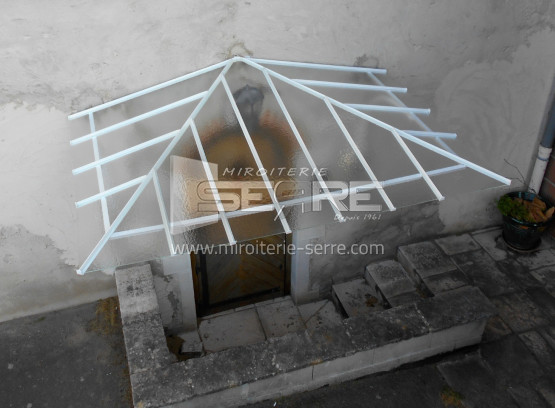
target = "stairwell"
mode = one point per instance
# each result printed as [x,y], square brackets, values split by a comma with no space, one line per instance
[396,312]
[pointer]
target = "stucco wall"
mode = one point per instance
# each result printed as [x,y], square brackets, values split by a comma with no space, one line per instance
[484,67]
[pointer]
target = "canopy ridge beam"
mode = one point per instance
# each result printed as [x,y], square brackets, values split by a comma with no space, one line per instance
[213,187]
[257,159]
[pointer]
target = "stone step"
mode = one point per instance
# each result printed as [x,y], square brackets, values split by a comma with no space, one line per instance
[432,269]
[390,282]
[356,298]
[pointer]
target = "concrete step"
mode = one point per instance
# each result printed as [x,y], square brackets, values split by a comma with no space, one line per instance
[431,268]
[391,283]
[356,298]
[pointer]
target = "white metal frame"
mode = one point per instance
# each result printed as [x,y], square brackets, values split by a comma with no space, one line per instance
[305,85]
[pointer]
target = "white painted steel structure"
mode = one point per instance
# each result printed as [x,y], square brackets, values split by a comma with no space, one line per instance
[307,86]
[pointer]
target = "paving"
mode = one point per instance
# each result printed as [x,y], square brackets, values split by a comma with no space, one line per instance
[74,358]
[60,359]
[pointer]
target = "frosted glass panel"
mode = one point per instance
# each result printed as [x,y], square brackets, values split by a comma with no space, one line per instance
[274,175]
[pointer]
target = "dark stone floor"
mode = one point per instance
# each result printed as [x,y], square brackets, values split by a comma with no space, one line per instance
[74,358]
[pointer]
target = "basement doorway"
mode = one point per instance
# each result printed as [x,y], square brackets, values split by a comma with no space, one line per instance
[243,275]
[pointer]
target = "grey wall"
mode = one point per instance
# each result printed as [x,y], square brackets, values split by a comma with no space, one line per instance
[484,67]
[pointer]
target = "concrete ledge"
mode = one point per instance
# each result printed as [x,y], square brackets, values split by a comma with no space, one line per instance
[136,292]
[307,360]
[456,308]
[145,342]
[385,328]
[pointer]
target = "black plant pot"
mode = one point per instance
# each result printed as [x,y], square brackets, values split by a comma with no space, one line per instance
[523,235]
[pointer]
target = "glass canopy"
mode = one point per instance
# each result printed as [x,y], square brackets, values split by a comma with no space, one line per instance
[248,148]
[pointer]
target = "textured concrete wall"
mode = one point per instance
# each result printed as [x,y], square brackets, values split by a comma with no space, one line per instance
[484,67]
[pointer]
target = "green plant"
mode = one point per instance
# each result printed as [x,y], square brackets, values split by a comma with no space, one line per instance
[512,208]
[525,210]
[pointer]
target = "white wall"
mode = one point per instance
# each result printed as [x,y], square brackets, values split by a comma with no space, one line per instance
[485,67]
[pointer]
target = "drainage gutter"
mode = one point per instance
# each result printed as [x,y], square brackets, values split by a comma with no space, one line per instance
[544,151]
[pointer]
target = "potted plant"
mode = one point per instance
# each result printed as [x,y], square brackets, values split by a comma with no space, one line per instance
[525,217]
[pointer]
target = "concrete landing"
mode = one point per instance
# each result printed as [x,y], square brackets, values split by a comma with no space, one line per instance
[231,330]
[319,315]
[279,318]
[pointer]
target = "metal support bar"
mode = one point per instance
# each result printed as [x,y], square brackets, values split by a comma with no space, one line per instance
[415,117]
[211,181]
[252,148]
[111,191]
[303,146]
[148,90]
[99,176]
[318,66]
[97,163]
[138,118]
[138,231]
[424,144]
[418,166]
[345,85]
[435,135]
[163,212]
[418,176]
[288,203]
[383,108]
[359,155]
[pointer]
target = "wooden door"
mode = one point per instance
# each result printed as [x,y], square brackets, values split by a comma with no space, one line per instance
[231,280]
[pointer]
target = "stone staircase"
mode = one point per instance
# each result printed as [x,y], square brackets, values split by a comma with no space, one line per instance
[422,271]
